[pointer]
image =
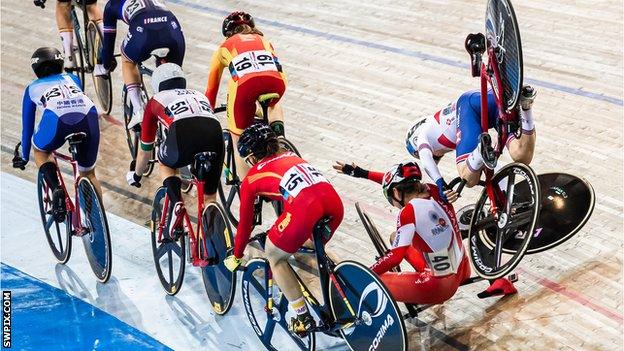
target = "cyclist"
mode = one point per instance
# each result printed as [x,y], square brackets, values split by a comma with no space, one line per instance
[254,69]
[307,197]
[66,110]
[150,26]
[458,127]
[66,28]
[427,237]
[191,128]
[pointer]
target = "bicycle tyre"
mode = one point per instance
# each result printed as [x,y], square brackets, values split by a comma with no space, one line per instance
[229,186]
[256,277]
[97,241]
[103,85]
[484,258]
[133,136]
[80,62]
[168,246]
[61,248]
[359,284]
[219,282]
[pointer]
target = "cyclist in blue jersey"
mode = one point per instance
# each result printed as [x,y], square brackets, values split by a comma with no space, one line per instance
[66,110]
[150,26]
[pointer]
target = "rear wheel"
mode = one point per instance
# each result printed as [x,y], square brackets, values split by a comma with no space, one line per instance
[58,234]
[229,187]
[79,56]
[103,84]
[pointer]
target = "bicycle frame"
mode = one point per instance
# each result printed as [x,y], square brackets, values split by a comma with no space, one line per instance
[73,207]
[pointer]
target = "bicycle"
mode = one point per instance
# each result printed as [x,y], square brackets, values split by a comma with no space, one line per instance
[356,305]
[229,189]
[209,242]
[86,217]
[87,51]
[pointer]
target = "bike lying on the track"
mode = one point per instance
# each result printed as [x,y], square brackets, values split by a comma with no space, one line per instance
[85,217]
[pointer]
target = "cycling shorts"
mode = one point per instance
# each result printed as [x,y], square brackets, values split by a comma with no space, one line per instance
[88,2]
[241,105]
[52,131]
[422,287]
[469,122]
[189,136]
[294,226]
[146,34]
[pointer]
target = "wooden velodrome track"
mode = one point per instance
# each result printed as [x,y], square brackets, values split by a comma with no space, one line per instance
[360,72]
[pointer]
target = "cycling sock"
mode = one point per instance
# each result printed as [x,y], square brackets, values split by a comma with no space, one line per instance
[299,306]
[66,39]
[134,93]
[49,174]
[527,121]
[173,185]
[475,160]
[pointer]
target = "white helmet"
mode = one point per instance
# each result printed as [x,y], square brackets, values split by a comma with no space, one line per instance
[170,74]
[411,140]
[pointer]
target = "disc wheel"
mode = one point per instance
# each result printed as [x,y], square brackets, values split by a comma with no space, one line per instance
[58,234]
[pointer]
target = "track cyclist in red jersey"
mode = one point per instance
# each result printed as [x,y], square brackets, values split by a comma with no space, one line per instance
[254,69]
[66,29]
[191,128]
[458,127]
[151,26]
[66,110]
[307,196]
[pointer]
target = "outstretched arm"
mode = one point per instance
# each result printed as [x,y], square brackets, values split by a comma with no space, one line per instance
[358,172]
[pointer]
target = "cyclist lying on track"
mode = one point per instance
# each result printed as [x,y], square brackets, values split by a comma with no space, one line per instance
[458,127]
[66,110]
[66,28]
[191,128]
[150,26]
[254,69]
[427,237]
[282,176]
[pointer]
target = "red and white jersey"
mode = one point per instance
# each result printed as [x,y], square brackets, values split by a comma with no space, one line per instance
[439,134]
[169,106]
[427,237]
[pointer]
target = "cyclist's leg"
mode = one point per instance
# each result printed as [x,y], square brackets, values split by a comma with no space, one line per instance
[213,141]
[241,107]
[171,158]
[522,149]
[133,51]
[88,150]
[95,13]
[276,113]
[65,27]
[468,156]
[176,43]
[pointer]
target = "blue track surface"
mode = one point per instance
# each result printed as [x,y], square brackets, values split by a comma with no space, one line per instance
[47,318]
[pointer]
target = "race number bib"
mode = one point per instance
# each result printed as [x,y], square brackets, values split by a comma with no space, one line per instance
[65,98]
[299,177]
[131,8]
[442,262]
[252,62]
[188,106]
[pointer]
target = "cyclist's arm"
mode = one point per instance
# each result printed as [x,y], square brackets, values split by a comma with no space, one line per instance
[214,77]
[110,32]
[149,125]
[245,222]
[428,162]
[401,243]
[29,108]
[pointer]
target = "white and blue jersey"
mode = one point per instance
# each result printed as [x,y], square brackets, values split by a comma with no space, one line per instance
[66,110]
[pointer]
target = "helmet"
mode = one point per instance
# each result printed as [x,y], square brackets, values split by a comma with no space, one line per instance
[235,19]
[411,140]
[46,61]
[168,76]
[255,139]
[402,176]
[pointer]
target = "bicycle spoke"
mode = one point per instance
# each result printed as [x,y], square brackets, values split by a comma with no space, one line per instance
[510,192]
[485,223]
[268,329]
[58,235]
[162,249]
[498,248]
[170,256]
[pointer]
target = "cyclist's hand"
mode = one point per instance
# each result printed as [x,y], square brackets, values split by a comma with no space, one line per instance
[451,195]
[133,179]
[527,97]
[442,189]
[351,169]
[40,3]
[232,263]
[19,162]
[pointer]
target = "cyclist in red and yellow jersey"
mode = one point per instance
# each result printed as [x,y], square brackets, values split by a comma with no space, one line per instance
[254,70]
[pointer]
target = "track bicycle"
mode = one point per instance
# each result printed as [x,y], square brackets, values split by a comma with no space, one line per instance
[205,247]
[85,218]
[89,44]
[356,306]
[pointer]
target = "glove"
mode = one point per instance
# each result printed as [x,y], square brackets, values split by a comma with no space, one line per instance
[441,187]
[527,96]
[352,170]
[232,263]
[40,3]
[19,162]
[99,70]
[133,179]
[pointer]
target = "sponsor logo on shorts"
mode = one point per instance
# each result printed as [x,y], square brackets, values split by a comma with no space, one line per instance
[284,223]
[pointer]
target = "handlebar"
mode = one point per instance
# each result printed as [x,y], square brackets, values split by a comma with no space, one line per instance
[462,183]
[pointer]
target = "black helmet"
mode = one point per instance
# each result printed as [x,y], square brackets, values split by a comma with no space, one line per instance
[235,19]
[255,141]
[46,61]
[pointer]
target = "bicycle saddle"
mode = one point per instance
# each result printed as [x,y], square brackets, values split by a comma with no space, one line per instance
[160,52]
[321,228]
[76,138]
[201,163]
[266,98]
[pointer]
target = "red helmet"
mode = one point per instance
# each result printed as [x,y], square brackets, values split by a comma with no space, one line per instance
[401,175]
[235,19]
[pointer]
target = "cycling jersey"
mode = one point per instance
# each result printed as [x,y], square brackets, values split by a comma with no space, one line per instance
[66,110]
[150,26]
[254,69]
[305,192]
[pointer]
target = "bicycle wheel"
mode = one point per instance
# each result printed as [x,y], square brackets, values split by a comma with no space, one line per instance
[133,136]
[80,57]
[103,84]
[271,326]
[170,252]
[518,206]
[59,240]
[96,240]
[229,186]
[288,146]
[379,324]
[219,282]
[372,232]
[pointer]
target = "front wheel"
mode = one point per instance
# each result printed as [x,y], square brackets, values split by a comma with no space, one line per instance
[511,217]
[96,240]
[103,84]
[133,136]
[378,323]
[58,234]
